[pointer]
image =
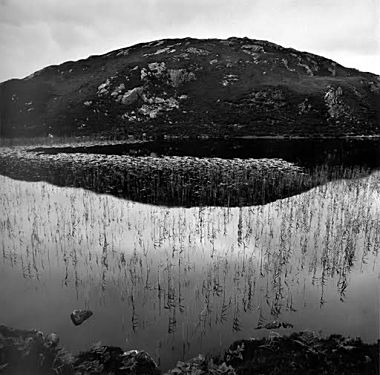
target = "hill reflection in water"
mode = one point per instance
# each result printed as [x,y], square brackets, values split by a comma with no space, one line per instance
[179,281]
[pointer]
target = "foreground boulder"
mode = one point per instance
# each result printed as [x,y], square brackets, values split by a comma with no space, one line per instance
[200,366]
[112,360]
[31,352]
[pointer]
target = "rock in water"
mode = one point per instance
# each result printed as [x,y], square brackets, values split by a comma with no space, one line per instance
[79,316]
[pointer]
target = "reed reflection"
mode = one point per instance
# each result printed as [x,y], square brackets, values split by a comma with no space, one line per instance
[184,275]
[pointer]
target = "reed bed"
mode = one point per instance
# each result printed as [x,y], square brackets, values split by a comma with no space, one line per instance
[172,181]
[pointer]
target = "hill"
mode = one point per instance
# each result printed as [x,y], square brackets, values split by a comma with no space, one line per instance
[191,87]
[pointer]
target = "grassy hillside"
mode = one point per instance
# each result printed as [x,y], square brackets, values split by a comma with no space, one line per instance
[191,87]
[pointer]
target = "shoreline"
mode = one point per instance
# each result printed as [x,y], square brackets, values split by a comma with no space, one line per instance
[113,140]
[301,352]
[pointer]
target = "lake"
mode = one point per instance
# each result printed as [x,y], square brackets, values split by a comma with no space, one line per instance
[181,280]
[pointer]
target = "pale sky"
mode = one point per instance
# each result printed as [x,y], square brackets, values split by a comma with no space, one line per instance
[38,33]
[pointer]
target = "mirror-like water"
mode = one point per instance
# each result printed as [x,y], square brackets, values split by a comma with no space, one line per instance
[305,152]
[179,281]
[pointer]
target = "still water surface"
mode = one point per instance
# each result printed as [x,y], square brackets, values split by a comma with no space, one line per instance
[180,281]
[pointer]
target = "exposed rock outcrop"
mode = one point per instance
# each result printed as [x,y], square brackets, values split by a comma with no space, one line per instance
[130,96]
[337,108]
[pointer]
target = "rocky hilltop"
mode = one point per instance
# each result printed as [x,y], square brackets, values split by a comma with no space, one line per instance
[192,87]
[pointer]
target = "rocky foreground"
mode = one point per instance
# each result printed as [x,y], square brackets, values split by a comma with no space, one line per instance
[194,87]
[32,352]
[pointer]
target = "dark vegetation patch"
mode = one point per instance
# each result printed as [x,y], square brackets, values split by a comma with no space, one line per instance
[303,353]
